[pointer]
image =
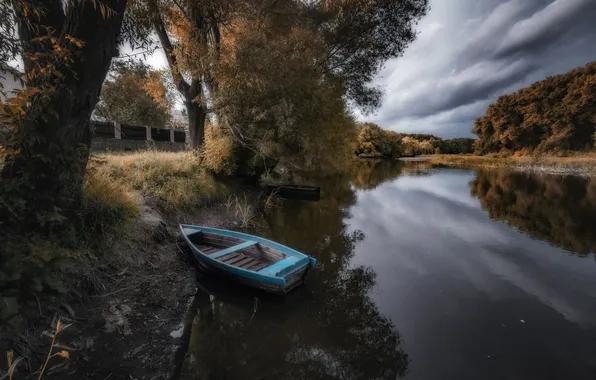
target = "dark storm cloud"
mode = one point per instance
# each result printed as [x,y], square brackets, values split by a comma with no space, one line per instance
[469,89]
[549,27]
[470,52]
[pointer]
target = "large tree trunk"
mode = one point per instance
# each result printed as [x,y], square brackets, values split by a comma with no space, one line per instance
[196,124]
[52,146]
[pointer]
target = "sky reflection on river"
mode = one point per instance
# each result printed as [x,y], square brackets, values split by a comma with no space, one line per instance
[417,281]
[473,297]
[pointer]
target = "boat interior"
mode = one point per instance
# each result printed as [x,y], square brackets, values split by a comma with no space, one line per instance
[241,253]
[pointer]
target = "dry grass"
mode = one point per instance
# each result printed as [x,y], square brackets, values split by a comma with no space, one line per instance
[578,163]
[242,208]
[107,206]
[175,179]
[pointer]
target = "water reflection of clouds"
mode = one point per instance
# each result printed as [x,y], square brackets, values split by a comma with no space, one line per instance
[418,206]
[446,184]
[419,226]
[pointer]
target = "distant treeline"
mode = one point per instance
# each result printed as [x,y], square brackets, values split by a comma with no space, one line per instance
[556,114]
[375,142]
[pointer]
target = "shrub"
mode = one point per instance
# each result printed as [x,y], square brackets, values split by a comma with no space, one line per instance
[218,151]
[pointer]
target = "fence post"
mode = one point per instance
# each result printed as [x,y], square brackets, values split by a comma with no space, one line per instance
[172,136]
[148,133]
[117,131]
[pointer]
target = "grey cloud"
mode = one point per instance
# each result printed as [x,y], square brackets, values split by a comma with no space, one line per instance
[548,26]
[467,88]
[471,52]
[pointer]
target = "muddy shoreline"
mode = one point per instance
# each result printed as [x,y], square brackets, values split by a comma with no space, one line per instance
[134,321]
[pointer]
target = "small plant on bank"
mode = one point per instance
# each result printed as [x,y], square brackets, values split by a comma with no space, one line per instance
[13,363]
[242,209]
[51,354]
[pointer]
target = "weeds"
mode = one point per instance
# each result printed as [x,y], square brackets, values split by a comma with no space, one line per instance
[242,209]
[36,264]
[271,199]
[13,363]
[65,354]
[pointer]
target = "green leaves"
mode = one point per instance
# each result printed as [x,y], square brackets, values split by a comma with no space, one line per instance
[135,95]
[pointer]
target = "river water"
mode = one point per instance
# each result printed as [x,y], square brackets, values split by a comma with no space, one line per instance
[423,273]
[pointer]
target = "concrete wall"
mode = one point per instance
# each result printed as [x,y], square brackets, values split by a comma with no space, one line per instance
[119,138]
[102,144]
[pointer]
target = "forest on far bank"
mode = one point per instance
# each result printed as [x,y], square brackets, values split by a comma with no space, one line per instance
[373,141]
[557,114]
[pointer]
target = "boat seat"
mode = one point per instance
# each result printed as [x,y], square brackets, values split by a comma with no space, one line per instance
[233,249]
[274,268]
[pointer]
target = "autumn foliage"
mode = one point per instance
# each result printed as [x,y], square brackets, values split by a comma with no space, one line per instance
[135,94]
[557,209]
[375,142]
[556,114]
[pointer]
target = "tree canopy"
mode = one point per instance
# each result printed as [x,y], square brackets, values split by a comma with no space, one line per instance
[558,113]
[135,94]
[274,75]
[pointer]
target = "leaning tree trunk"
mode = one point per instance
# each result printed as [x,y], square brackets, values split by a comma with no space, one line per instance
[191,92]
[42,179]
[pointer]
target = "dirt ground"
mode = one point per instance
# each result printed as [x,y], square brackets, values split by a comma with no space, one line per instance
[133,324]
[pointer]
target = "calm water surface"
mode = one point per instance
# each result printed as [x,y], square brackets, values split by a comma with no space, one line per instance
[423,274]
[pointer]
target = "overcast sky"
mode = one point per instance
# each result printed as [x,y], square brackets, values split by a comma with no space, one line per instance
[469,52]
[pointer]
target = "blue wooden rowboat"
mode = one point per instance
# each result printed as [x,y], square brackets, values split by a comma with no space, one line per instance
[248,259]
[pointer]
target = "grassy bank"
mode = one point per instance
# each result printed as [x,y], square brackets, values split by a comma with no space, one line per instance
[175,180]
[119,272]
[578,164]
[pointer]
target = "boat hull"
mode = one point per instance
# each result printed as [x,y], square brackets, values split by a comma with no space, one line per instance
[269,288]
[298,278]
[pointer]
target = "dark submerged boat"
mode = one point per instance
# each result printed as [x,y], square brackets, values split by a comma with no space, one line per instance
[295,191]
[247,259]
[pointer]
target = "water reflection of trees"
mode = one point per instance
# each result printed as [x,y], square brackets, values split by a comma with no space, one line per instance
[330,329]
[369,174]
[559,209]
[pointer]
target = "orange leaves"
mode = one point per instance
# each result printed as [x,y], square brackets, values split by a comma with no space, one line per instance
[155,88]
[106,12]
[64,354]
[75,41]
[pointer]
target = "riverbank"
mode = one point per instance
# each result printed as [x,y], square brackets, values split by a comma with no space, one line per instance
[125,303]
[576,164]
[137,325]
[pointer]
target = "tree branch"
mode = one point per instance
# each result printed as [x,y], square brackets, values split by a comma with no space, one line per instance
[160,29]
